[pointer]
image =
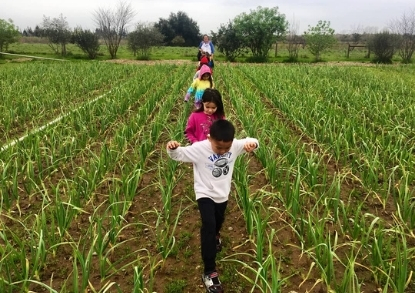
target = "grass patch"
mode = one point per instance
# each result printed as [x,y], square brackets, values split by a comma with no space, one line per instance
[176,286]
[280,55]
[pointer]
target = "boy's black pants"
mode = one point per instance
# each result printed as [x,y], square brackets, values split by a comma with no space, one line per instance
[212,215]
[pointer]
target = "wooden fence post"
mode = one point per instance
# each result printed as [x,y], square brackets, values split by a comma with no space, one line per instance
[276,49]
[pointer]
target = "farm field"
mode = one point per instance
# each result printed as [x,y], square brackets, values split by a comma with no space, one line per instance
[33,47]
[90,201]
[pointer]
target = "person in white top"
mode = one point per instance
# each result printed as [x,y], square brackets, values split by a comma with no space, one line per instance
[213,163]
[206,48]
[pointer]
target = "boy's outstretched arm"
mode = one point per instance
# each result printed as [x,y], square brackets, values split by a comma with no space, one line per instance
[172,145]
[182,154]
[250,146]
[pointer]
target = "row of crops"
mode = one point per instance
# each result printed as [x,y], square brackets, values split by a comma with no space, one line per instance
[91,203]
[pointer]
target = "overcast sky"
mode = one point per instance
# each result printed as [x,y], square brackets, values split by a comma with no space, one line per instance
[345,16]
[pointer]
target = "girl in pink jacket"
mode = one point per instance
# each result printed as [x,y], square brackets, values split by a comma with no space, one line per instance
[201,119]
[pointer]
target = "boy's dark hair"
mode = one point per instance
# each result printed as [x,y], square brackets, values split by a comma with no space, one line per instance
[222,130]
[213,96]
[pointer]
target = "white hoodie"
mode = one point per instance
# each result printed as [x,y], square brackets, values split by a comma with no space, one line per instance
[212,172]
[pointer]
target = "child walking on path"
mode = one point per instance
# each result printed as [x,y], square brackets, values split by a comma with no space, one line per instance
[199,85]
[203,61]
[199,122]
[213,162]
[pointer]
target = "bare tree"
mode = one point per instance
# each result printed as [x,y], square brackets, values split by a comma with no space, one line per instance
[294,41]
[112,25]
[368,32]
[356,34]
[405,29]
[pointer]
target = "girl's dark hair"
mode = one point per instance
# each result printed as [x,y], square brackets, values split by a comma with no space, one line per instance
[211,80]
[213,96]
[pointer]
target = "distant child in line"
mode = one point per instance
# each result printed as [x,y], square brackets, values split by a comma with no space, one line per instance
[199,85]
[211,64]
[203,61]
[213,163]
[199,122]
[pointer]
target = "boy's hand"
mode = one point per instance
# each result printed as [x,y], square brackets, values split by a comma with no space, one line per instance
[172,145]
[250,146]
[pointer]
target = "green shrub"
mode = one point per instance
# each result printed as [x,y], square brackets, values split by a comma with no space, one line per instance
[383,46]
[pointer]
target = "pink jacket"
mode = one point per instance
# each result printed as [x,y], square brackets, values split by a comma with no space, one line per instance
[198,126]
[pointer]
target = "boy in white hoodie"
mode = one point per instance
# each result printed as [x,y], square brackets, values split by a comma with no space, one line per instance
[213,162]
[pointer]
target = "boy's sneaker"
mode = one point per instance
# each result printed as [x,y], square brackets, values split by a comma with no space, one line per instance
[218,243]
[212,283]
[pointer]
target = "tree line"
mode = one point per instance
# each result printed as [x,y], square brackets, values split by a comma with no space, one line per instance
[253,32]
